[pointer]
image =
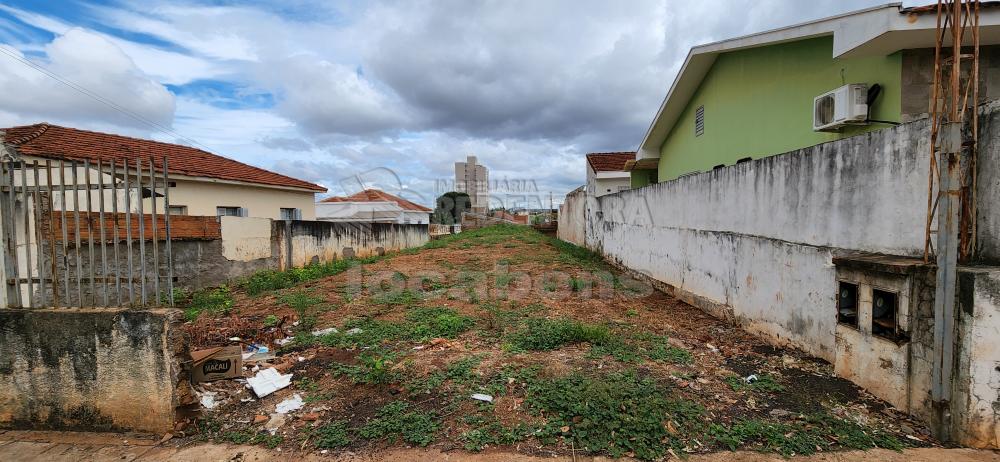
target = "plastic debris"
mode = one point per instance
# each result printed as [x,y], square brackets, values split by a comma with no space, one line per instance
[328,330]
[712,347]
[291,404]
[482,397]
[258,356]
[274,422]
[208,400]
[255,348]
[234,339]
[354,331]
[751,379]
[284,341]
[268,381]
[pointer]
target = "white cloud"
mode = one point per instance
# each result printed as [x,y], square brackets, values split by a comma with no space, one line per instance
[412,86]
[90,61]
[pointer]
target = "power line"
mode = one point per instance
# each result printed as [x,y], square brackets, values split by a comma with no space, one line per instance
[100,98]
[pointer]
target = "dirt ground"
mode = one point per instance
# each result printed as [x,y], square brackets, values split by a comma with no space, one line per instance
[18,446]
[577,359]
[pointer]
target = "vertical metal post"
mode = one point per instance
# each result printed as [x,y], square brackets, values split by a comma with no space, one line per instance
[54,267]
[101,225]
[114,231]
[166,226]
[11,219]
[39,237]
[142,231]
[128,230]
[90,230]
[76,233]
[27,234]
[65,233]
[152,212]
[948,213]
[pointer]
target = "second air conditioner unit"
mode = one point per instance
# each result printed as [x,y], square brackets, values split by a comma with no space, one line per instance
[847,105]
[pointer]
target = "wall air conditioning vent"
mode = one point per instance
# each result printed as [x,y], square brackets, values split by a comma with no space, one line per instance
[846,105]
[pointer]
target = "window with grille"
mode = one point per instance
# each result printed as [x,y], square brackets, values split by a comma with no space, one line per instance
[178,210]
[227,211]
[699,121]
[291,214]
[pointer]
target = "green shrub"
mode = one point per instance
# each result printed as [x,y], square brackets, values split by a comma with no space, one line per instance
[816,433]
[217,301]
[270,280]
[373,368]
[398,420]
[392,297]
[540,334]
[617,414]
[427,323]
[332,435]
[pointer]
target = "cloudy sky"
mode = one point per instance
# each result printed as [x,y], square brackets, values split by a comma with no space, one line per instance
[388,93]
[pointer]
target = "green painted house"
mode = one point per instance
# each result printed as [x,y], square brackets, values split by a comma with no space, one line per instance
[753,96]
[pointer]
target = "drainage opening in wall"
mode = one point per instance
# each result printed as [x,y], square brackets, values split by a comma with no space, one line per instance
[847,304]
[885,306]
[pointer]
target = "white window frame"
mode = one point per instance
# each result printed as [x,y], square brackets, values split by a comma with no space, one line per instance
[296,214]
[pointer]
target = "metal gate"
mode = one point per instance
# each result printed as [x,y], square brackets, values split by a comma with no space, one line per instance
[80,233]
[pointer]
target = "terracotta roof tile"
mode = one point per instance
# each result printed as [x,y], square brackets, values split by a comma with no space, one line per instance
[609,161]
[53,141]
[375,195]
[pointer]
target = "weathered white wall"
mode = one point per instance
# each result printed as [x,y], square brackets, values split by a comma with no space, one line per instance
[572,217]
[756,243]
[323,241]
[977,396]
[756,238]
[246,239]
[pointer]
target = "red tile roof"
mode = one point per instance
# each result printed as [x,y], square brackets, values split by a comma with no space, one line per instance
[375,195]
[609,161]
[53,141]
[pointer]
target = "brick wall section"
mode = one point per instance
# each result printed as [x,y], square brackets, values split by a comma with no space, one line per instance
[182,227]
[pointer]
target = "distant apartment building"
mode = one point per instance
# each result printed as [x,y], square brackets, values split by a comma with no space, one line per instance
[473,179]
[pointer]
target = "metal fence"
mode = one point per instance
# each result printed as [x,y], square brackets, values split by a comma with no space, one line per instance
[75,232]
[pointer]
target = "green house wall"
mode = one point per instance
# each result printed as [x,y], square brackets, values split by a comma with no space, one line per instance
[758,102]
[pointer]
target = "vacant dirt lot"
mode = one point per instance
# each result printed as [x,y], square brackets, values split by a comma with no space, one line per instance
[570,357]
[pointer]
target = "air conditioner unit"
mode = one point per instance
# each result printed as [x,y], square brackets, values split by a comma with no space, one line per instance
[847,105]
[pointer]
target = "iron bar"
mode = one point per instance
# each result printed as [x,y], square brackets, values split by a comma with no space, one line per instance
[27,233]
[64,225]
[101,225]
[114,231]
[76,235]
[54,267]
[12,226]
[39,252]
[90,231]
[142,230]
[128,230]
[166,230]
[152,212]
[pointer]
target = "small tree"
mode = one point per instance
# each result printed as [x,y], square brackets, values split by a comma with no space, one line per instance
[449,207]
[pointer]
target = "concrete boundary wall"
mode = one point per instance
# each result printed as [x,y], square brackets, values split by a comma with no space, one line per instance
[92,369]
[573,217]
[767,243]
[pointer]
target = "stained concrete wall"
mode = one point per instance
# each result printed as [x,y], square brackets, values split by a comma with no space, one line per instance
[988,190]
[572,217]
[91,369]
[306,242]
[758,243]
[756,239]
[977,381]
